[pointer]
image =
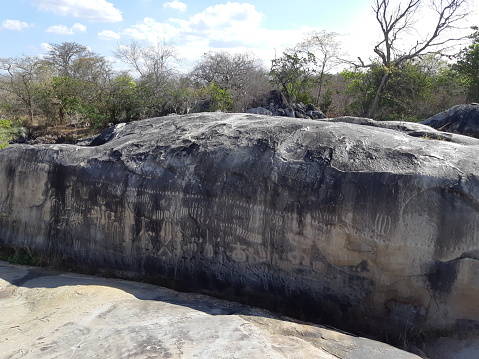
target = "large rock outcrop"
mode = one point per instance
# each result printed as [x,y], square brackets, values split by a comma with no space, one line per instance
[367,226]
[48,314]
[461,119]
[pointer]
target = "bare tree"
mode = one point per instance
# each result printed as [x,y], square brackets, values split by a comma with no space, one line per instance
[226,70]
[18,77]
[399,21]
[327,52]
[156,66]
[242,74]
[157,60]
[62,56]
[71,59]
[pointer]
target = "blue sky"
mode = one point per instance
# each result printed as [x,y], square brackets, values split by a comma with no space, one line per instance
[193,27]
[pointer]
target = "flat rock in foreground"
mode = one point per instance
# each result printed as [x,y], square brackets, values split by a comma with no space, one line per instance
[47,314]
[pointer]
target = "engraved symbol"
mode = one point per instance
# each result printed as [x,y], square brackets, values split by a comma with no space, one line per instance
[69,197]
[167,215]
[360,268]
[192,246]
[276,219]
[55,204]
[383,224]
[297,258]
[239,255]
[166,231]
[208,251]
[83,191]
[164,253]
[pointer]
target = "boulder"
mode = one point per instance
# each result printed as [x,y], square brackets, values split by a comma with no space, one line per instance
[260,111]
[276,104]
[365,226]
[108,135]
[461,119]
[48,314]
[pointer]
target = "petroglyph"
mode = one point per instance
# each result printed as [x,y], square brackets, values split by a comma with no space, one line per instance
[332,236]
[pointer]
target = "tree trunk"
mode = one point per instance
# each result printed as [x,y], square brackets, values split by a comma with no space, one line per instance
[320,87]
[320,82]
[379,93]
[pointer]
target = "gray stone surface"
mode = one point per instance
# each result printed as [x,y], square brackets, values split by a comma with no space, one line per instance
[260,111]
[461,119]
[363,226]
[274,103]
[47,314]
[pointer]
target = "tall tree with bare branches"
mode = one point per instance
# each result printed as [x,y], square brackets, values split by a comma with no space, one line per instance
[398,22]
[326,48]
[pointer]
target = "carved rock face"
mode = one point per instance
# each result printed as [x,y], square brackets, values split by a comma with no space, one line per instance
[365,228]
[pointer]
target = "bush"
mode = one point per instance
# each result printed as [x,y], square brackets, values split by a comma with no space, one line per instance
[5,132]
[11,129]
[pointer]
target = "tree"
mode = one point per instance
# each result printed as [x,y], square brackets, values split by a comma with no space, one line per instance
[123,100]
[467,66]
[395,22]
[241,75]
[416,90]
[293,72]
[156,67]
[158,60]
[326,49]
[76,90]
[63,56]
[18,77]
[5,136]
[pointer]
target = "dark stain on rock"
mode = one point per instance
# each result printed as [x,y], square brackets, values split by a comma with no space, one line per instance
[442,276]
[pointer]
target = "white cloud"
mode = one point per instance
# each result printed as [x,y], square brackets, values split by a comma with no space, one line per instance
[235,27]
[89,10]
[78,28]
[152,30]
[108,35]
[64,30]
[230,21]
[231,24]
[45,47]
[14,25]
[175,4]
[60,29]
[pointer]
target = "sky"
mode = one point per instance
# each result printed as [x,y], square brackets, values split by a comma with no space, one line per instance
[263,27]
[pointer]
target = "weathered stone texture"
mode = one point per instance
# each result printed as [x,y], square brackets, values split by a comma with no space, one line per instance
[461,119]
[361,225]
[48,314]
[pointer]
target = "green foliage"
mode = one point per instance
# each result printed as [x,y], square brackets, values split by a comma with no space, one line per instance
[123,100]
[5,126]
[20,255]
[326,100]
[405,95]
[181,95]
[467,66]
[10,129]
[293,72]
[78,102]
[75,87]
[222,100]
[360,86]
